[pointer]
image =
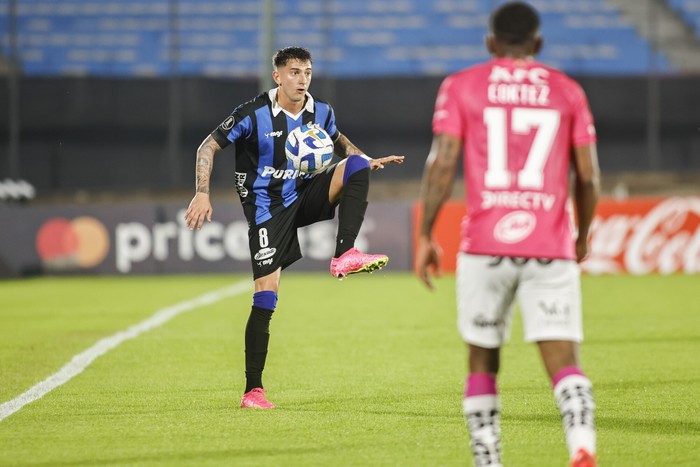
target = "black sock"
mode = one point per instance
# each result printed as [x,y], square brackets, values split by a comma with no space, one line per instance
[257,336]
[351,212]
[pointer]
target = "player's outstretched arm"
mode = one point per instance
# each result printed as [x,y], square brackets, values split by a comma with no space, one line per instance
[200,208]
[438,178]
[343,148]
[586,192]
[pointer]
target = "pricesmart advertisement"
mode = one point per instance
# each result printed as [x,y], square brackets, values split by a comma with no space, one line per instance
[152,238]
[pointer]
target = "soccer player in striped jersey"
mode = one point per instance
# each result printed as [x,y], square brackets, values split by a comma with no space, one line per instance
[277,199]
[521,126]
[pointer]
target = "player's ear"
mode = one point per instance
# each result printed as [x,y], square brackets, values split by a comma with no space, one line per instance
[539,41]
[276,77]
[490,45]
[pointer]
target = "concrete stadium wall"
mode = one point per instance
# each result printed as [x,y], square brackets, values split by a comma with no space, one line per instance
[113,135]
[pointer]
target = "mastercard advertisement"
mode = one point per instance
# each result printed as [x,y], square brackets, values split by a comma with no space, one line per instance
[63,243]
[66,239]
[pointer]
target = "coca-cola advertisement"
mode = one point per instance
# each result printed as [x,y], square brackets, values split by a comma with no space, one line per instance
[631,236]
[645,235]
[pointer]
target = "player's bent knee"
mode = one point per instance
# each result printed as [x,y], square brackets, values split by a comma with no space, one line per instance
[266,299]
[354,163]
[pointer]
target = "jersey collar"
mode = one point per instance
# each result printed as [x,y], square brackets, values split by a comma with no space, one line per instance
[276,108]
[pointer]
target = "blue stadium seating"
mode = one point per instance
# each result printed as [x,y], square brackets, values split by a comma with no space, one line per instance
[348,38]
[689,10]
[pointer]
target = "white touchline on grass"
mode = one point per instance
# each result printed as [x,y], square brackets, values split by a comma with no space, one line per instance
[81,361]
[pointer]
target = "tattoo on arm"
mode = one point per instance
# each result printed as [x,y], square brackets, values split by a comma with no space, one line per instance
[343,147]
[438,178]
[205,163]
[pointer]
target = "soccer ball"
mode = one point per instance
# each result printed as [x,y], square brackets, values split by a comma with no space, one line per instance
[309,148]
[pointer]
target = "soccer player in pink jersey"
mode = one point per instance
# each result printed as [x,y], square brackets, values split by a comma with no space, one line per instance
[522,127]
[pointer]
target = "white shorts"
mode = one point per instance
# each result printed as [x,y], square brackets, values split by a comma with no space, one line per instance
[548,291]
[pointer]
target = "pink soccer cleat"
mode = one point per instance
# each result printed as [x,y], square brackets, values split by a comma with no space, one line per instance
[353,261]
[583,459]
[255,399]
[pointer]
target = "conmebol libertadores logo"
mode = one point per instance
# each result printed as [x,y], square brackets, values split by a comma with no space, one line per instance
[65,244]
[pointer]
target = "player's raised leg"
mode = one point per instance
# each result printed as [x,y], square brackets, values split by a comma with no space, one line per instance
[351,183]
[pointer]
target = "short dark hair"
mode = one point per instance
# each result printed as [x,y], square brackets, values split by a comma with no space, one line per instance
[282,56]
[515,23]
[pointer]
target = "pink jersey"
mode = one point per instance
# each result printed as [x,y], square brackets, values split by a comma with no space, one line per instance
[519,120]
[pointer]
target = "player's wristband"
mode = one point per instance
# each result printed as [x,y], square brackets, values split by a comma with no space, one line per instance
[365,157]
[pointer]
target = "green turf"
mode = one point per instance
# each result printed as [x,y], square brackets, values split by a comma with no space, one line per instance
[367,371]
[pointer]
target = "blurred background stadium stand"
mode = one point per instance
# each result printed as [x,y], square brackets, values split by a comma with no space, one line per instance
[114,96]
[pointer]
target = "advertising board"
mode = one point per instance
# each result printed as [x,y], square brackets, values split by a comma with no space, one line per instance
[152,238]
[634,236]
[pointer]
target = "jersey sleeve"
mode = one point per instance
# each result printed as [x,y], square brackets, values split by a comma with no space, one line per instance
[232,128]
[329,124]
[583,128]
[447,117]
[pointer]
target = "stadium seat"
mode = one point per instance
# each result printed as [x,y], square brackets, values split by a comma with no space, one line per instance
[359,38]
[689,11]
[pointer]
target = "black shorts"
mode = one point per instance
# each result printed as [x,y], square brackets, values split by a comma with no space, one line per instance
[274,243]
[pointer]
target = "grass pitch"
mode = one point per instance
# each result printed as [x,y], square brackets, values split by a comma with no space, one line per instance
[368,371]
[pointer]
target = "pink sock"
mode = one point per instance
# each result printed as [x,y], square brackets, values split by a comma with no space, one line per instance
[479,384]
[564,372]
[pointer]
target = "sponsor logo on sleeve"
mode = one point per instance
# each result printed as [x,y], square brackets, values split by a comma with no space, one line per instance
[228,123]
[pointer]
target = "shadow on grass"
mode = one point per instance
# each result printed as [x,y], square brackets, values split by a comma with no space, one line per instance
[387,404]
[656,426]
[240,456]
[644,339]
